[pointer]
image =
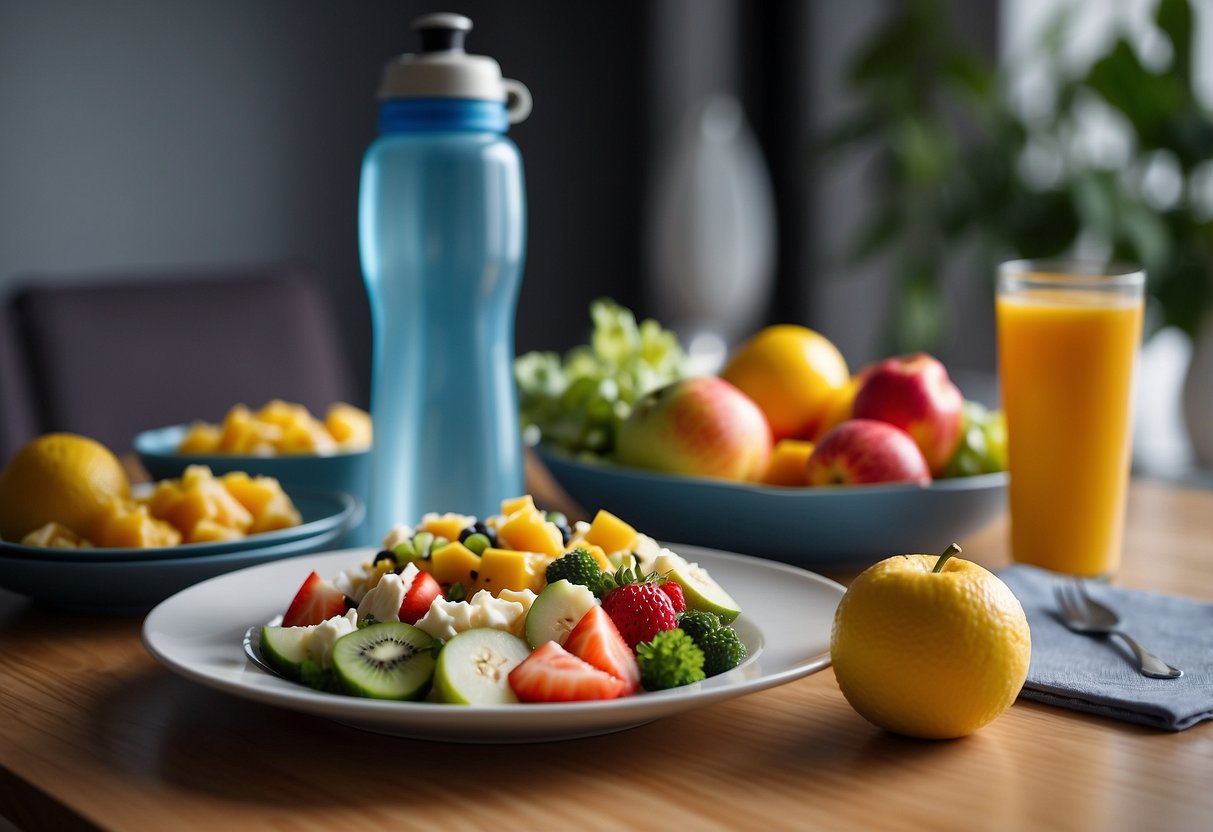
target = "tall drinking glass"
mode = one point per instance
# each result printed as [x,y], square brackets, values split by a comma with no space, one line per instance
[1068,337]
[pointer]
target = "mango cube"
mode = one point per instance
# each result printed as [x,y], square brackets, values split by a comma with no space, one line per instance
[195,497]
[447,525]
[454,563]
[611,533]
[505,569]
[514,505]
[349,425]
[789,463]
[530,532]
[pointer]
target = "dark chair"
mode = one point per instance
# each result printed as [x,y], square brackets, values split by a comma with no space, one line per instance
[109,356]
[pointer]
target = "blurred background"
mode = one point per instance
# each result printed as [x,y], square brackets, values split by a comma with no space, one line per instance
[858,167]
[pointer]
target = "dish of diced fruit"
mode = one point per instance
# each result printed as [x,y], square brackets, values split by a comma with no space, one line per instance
[519,607]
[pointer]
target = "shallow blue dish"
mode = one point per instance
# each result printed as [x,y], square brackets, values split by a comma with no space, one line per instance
[321,512]
[135,586]
[841,526]
[348,472]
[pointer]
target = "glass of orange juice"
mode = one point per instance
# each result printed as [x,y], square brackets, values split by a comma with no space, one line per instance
[1068,338]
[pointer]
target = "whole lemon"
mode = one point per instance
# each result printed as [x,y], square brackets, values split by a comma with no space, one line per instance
[59,477]
[930,653]
[794,375]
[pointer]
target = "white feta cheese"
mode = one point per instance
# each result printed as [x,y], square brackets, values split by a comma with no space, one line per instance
[325,634]
[446,619]
[397,535]
[383,600]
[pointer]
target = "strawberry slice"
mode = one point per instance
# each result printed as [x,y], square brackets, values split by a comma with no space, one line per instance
[553,674]
[596,640]
[421,593]
[316,601]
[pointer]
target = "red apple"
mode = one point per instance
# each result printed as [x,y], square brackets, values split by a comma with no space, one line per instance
[866,451]
[701,426]
[914,393]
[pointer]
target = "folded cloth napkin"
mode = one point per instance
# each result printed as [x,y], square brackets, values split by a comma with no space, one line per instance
[1099,674]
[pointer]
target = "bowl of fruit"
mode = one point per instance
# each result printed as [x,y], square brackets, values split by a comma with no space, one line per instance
[785,453]
[283,440]
[75,533]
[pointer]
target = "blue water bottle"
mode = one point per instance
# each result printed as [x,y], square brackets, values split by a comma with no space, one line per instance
[442,237]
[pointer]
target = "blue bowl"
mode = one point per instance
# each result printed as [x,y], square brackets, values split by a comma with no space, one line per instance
[349,472]
[135,586]
[811,527]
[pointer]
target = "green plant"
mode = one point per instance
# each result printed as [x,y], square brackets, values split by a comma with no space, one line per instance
[952,163]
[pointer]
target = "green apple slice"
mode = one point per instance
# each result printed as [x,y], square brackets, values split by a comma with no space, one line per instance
[556,611]
[474,667]
[698,587]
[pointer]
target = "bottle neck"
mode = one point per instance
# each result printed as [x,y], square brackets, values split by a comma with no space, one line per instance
[428,115]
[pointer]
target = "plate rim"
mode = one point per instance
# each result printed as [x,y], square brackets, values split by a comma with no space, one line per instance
[408,719]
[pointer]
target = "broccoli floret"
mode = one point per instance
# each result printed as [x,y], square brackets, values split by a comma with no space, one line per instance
[576,567]
[697,623]
[722,650]
[670,660]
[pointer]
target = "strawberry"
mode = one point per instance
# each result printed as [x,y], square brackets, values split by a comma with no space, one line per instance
[596,640]
[316,601]
[639,610]
[421,593]
[553,674]
[674,590]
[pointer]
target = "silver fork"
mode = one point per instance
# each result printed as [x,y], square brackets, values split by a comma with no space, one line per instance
[1083,614]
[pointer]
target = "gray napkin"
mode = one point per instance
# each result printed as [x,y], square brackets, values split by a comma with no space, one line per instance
[1098,674]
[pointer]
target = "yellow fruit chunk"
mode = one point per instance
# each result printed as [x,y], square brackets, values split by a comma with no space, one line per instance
[930,654]
[447,525]
[595,551]
[454,563]
[507,569]
[349,425]
[514,505]
[209,531]
[789,462]
[530,532]
[201,438]
[55,536]
[197,496]
[126,524]
[241,433]
[58,477]
[793,374]
[611,533]
[265,500]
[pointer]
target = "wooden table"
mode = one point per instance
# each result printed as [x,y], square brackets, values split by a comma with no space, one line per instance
[94,733]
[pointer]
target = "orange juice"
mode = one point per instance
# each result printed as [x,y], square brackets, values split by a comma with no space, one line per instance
[1066,358]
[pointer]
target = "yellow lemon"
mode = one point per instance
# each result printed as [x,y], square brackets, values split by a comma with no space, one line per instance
[930,653]
[794,375]
[58,477]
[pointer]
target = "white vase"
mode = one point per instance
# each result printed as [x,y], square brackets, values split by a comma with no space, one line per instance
[1197,396]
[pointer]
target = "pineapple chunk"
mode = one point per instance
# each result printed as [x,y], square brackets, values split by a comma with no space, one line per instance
[125,524]
[264,499]
[197,496]
[349,425]
[448,525]
[201,438]
[54,535]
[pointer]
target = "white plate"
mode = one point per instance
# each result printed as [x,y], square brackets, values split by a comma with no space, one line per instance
[198,633]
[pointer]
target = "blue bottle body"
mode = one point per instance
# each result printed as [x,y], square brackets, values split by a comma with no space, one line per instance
[442,228]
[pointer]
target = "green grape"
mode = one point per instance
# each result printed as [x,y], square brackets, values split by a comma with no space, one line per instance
[577,402]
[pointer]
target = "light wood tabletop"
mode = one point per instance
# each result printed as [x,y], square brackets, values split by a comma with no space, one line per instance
[95,734]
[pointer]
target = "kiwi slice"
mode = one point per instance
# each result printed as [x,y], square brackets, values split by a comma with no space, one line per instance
[474,667]
[556,611]
[390,660]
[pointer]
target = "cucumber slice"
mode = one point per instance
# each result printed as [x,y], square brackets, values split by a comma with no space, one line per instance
[285,648]
[474,667]
[698,587]
[391,660]
[556,611]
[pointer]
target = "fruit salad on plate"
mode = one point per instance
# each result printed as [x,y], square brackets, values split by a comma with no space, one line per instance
[517,607]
